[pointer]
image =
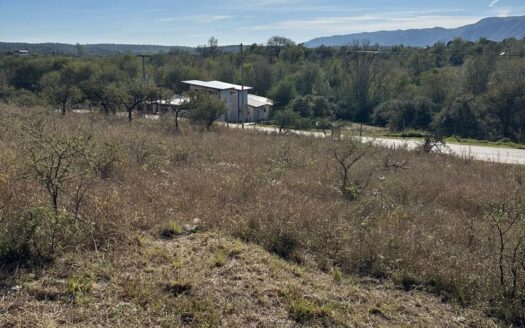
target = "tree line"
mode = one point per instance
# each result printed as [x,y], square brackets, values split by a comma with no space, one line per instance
[461,88]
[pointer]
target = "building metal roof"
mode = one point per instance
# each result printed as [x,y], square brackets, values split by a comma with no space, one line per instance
[175,101]
[217,85]
[258,101]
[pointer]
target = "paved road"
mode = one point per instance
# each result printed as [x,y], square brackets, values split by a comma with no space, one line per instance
[484,153]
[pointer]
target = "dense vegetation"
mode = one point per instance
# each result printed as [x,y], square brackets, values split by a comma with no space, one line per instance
[466,89]
[79,187]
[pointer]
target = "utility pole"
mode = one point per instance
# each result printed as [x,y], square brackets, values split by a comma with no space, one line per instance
[243,109]
[144,77]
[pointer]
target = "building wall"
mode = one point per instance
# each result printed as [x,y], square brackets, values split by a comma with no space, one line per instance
[231,114]
[243,103]
[233,99]
[258,114]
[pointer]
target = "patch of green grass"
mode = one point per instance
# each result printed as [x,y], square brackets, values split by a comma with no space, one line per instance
[337,274]
[78,286]
[303,310]
[475,142]
[219,258]
[199,313]
[173,229]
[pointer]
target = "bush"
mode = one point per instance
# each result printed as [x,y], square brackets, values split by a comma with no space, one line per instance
[35,236]
[285,244]
[205,109]
[287,120]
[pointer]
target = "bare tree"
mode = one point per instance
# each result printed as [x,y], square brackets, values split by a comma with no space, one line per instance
[57,159]
[507,221]
[346,159]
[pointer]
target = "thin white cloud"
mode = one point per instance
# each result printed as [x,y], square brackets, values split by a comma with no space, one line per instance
[202,19]
[367,23]
[493,3]
[289,6]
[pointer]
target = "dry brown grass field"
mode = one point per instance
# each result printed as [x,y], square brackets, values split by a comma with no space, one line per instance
[107,223]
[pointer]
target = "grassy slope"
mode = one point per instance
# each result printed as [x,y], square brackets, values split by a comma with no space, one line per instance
[206,279]
[421,221]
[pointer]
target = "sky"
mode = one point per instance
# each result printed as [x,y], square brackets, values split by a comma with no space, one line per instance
[193,22]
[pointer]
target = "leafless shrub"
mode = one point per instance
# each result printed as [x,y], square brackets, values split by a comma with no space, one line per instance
[346,158]
[433,143]
[507,221]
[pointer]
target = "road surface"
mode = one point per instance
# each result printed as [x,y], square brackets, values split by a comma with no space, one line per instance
[483,153]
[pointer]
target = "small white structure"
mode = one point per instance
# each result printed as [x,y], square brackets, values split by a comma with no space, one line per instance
[258,108]
[160,106]
[234,96]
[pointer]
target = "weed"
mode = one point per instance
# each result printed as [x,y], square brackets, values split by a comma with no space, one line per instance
[79,286]
[172,230]
[219,258]
[337,274]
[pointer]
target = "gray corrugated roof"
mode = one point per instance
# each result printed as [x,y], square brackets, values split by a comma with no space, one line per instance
[258,101]
[218,85]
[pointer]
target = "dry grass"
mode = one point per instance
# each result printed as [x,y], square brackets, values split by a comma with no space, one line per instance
[170,283]
[425,227]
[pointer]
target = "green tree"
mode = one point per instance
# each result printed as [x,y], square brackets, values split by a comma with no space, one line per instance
[282,94]
[301,105]
[461,118]
[476,74]
[205,109]
[286,120]
[130,94]
[60,91]
[506,102]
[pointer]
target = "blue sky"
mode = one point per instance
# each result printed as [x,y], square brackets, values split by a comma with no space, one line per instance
[192,22]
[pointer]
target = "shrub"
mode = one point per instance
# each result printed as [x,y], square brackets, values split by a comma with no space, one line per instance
[285,244]
[286,120]
[205,109]
[35,236]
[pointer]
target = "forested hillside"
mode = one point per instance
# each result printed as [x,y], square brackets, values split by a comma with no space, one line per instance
[462,88]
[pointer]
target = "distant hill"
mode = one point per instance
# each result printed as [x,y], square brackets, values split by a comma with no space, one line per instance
[88,49]
[493,28]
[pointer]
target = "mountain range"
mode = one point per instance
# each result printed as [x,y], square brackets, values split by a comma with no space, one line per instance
[492,28]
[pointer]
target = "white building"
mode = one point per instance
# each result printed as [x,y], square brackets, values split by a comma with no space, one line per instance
[234,96]
[258,108]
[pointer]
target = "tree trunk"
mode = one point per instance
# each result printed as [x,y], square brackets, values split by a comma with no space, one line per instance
[130,116]
[63,108]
